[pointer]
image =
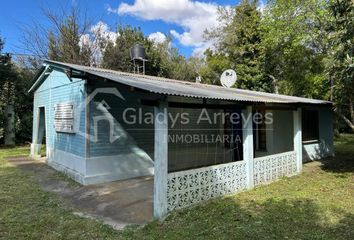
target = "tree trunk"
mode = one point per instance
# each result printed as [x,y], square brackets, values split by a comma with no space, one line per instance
[347,121]
[351,109]
[9,125]
[332,90]
[274,83]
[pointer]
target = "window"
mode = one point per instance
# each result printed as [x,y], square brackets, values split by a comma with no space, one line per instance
[64,118]
[310,131]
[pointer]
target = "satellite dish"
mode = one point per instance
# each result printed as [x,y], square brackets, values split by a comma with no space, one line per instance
[228,78]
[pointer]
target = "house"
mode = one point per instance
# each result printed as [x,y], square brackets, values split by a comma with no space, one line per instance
[199,141]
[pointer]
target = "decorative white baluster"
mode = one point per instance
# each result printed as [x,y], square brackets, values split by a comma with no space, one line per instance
[274,166]
[192,186]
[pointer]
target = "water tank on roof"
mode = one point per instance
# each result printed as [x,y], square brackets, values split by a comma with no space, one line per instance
[137,52]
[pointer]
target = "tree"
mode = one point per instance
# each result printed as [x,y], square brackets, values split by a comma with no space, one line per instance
[239,47]
[7,77]
[163,60]
[215,64]
[117,54]
[15,105]
[62,39]
[166,61]
[65,45]
[342,67]
[296,46]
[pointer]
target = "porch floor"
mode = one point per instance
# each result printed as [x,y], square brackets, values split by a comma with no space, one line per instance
[118,203]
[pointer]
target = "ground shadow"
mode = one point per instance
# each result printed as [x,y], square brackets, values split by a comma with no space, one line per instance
[338,164]
[342,162]
[272,219]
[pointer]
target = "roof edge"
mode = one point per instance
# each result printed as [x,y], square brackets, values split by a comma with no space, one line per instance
[38,77]
[255,94]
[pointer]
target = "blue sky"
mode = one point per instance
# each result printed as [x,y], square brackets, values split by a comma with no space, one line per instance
[182,19]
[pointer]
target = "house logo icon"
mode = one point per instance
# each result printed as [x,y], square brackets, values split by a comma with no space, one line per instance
[103,107]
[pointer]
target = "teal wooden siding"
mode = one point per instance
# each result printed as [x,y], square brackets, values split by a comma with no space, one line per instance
[131,136]
[57,88]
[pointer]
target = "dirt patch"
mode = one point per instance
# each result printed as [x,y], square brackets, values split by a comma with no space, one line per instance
[118,203]
[311,166]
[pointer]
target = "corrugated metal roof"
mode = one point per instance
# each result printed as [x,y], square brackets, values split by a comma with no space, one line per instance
[187,89]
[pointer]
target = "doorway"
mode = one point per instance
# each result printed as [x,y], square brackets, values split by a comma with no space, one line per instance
[40,138]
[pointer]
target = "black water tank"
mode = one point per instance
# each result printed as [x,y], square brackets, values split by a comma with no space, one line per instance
[137,52]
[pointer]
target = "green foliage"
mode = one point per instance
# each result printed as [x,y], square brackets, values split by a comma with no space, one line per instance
[65,46]
[216,63]
[163,60]
[169,63]
[27,212]
[318,204]
[342,65]
[53,47]
[239,47]
[23,105]
[283,49]
[8,77]
[14,83]
[117,55]
[296,45]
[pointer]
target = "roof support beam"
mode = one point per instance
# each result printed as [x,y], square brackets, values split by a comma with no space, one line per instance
[160,160]
[298,138]
[248,153]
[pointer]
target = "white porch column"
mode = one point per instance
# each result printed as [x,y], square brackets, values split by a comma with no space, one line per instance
[160,160]
[298,139]
[248,154]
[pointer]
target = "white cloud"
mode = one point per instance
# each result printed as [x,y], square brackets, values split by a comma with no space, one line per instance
[84,40]
[102,30]
[261,6]
[157,37]
[193,16]
[199,51]
[97,39]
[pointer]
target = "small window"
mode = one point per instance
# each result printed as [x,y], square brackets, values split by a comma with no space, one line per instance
[64,118]
[310,129]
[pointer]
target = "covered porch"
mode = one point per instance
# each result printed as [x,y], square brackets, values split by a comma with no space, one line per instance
[258,161]
[114,108]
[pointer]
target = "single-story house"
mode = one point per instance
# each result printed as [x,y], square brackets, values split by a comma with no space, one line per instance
[100,125]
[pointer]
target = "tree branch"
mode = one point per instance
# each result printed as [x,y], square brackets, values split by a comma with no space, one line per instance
[346,120]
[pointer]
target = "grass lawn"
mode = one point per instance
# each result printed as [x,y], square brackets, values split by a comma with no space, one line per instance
[318,204]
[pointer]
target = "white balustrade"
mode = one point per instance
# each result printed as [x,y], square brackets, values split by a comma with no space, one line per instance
[185,188]
[273,167]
